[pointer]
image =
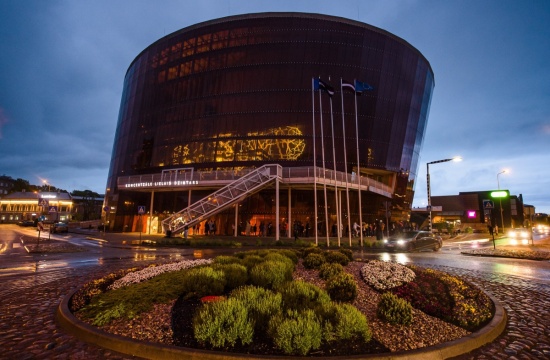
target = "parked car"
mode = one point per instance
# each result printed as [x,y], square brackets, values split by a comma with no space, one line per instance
[520,236]
[26,223]
[59,228]
[413,240]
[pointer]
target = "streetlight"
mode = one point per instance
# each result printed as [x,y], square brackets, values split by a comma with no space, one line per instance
[47,183]
[500,200]
[456,158]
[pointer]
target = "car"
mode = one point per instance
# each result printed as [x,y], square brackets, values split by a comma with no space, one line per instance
[520,236]
[26,223]
[542,229]
[59,227]
[413,240]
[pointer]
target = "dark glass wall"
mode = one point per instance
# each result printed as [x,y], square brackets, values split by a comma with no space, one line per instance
[236,92]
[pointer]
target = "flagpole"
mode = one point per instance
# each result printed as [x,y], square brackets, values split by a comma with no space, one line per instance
[338,219]
[324,170]
[345,160]
[314,160]
[358,171]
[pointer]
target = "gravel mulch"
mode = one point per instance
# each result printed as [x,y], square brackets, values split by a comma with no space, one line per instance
[510,253]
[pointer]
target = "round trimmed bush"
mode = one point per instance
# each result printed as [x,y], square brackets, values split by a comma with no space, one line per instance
[261,303]
[302,295]
[342,287]
[344,322]
[223,323]
[235,275]
[394,309]
[251,260]
[224,259]
[270,274]
[314,261]
[202,281]
[336,257]
[347,252]
[329,270]
[296,333]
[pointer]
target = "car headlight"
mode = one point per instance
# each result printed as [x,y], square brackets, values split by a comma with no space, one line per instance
[513,242]
[400,242]
[525,242]
[512,234]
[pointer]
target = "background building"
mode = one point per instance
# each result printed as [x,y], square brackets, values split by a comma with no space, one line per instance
[205,105]
[475,209]
[21,206]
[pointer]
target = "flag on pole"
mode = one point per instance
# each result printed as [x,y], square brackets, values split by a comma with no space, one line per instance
[319,84]
[362,86]
[348,85]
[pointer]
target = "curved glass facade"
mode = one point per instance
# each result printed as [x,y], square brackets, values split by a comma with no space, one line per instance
[236,92]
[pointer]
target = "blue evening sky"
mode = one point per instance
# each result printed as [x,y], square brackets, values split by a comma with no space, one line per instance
[62,65]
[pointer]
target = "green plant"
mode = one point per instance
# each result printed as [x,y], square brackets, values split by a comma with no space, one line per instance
[223,323]
[270,274]
[342,287]
[336,257]
[224,259]
[302,295]
[311,250]
[343,322]
[329,270]
[235,275]
[347,252]
[202,281]
[279,257]
[296,332]
[251,260]
[261,303]
[314,261]
[394,310]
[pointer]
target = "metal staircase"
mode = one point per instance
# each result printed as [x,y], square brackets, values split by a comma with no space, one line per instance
[222,198]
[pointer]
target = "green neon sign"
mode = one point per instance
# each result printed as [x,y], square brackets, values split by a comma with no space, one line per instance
[499,194]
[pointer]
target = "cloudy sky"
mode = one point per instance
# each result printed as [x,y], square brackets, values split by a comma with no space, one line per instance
[62,65]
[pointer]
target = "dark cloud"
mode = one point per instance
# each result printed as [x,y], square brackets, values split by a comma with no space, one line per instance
[63,65]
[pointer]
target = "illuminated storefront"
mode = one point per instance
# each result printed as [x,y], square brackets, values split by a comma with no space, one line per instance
[207,103]
[21,206]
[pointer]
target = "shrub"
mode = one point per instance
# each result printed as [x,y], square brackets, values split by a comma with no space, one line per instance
[270,274]
[394,310]
[342,287]
[302,295]
[204,281]
[313,261]
[344,322]
[224,259]
[291,254]
[251,260]
[347,252]
[276,256]
[261,303]
[311,250]
[235,275]
[336,257]
[223,323]
[329,270]
[296,332]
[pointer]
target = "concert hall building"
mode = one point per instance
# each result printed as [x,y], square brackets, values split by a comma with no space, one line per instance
[244,120]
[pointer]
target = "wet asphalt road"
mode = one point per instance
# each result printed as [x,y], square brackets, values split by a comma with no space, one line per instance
[33,286]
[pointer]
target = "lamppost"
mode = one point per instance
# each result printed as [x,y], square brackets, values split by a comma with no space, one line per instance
[47,183]
[456,158]
[500,200]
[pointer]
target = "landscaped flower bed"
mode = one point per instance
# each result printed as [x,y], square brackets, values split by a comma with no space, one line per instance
[267,302]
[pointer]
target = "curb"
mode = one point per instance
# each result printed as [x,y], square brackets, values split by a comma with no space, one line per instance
[125,345]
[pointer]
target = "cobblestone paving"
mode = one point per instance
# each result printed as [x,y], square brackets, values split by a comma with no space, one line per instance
[527,334]
[28,329]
